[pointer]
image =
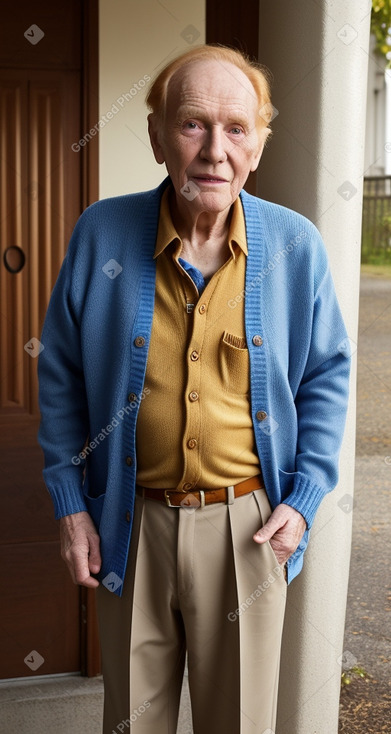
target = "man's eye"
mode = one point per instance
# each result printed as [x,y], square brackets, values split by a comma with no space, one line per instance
[191,125]
[236,130]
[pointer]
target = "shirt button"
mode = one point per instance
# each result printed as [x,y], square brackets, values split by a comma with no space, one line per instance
[193,396]
[257,340]
[129,460]
[192,443]
[194,356]
[127,516]
[202,308]
[261,415]
[186,486]
[139,341]
[132,397]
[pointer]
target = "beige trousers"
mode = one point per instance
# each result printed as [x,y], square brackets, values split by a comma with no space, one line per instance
[196,582]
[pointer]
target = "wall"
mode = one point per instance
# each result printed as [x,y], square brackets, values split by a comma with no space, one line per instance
[387,166]
[136,40]
[376,135]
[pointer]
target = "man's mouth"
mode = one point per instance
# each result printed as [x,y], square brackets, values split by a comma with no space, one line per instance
[209,178]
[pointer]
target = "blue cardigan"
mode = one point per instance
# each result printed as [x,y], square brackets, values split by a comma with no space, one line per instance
[92,368]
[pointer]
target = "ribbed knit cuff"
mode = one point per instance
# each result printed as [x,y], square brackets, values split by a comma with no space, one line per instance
[305,497]
[67,499]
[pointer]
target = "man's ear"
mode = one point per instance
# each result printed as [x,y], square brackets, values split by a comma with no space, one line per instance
[154,136]
[263,136]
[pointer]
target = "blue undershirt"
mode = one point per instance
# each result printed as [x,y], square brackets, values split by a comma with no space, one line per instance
[198,279]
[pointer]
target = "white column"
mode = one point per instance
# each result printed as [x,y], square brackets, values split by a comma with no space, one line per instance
[387,157]
[318,54]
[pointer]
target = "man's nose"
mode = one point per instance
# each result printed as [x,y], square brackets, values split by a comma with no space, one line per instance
[214,146]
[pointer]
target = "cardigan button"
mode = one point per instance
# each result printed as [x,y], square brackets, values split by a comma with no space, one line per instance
[129,460]
[139,341]
[192,443]
[193,396]
[257,340]
[202,308]
[194,355]
[261,415]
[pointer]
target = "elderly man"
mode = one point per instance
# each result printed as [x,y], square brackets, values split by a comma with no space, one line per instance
[193,393]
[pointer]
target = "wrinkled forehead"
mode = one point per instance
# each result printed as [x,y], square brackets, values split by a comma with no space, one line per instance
[210,80]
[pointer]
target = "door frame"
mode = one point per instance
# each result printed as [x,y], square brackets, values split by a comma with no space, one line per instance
[89,640]
[241,31]
[90,101]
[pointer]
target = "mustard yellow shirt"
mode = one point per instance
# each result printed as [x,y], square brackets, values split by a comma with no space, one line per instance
[194,427]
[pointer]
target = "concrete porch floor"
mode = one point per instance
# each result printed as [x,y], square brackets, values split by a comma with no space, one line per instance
[66,704]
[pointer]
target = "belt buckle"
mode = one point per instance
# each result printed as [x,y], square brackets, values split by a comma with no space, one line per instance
[167,498]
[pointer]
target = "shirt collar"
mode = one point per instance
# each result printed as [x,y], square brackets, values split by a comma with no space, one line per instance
[167,233]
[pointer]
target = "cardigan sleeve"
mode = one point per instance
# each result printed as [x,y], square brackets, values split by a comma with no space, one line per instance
[62,395]
[321,401]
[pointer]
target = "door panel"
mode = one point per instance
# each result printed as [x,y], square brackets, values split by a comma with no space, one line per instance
[48,100]
[53,188]
[34,587]
[13,232]
[40,202]
[26,510]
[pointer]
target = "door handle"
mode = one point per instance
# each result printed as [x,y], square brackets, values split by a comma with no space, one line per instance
[14,259]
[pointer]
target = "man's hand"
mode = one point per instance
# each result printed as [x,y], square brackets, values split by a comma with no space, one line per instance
[284,528]
[80,548]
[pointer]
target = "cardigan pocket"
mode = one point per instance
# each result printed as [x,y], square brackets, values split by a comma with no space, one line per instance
[286,480]
[94,506]
[234,364]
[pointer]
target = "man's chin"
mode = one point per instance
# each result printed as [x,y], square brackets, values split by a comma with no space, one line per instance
[211,201]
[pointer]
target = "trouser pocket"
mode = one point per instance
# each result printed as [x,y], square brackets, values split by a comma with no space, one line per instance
[265,511]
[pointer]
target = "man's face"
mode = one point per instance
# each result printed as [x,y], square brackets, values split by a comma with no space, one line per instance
[209,141]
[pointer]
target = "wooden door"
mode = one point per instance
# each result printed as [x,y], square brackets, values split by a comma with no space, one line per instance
[41,197]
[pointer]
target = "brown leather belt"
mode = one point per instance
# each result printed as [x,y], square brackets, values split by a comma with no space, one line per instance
[200,497]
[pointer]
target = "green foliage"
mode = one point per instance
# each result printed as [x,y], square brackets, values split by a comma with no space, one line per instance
[381,27]
[376,222]
[372,255]
[355,672]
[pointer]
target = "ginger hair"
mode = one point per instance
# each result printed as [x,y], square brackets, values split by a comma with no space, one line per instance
[258,75]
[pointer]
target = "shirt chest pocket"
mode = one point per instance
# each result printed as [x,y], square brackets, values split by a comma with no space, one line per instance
[234,364]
